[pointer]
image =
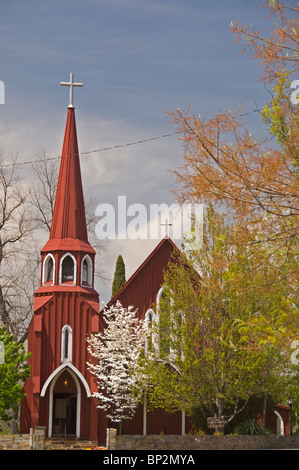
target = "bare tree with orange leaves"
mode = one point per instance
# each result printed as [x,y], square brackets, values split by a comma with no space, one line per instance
[278,51]
[255,180]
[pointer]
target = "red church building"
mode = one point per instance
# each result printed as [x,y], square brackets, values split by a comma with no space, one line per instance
[59,392]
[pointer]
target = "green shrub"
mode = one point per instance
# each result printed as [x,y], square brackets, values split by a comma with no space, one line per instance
[251,428]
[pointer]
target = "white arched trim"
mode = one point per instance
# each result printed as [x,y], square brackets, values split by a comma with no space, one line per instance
[279,424]
[158,299]
[171,365]
[45,270]
[89,271]
[75,373]
[75,269]
[60,369]
[149,321]
[66,344]
[149,316]
[157,316]
[160,292]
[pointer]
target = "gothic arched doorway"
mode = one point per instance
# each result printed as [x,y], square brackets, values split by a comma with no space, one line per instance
[64,405]
[57,376]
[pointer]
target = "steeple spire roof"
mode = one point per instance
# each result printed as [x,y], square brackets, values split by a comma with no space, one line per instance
[68,230]
[69,210]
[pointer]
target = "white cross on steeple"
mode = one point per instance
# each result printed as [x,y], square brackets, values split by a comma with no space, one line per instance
[166,226]
[71,84]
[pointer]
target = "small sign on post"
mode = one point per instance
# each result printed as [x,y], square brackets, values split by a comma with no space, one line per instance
[216,422]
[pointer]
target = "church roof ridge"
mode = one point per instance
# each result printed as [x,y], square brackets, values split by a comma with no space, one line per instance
[165,239]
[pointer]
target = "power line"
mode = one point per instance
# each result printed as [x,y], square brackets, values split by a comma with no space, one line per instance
[130,143]
[96,150]
[105,149]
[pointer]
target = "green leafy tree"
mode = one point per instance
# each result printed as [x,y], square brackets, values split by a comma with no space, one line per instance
[13,372]
[119,275]
[220,329]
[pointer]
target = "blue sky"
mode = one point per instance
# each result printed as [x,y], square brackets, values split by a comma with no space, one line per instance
[137,60]
[136,57]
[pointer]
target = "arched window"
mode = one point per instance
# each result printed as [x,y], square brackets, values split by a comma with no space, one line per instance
[149,316]
[49,270]
[151,338]
[67,269]
[67,274]
[86,272]
[66,344]
[159,295]
[164,321]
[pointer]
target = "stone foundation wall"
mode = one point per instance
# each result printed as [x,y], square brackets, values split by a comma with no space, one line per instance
[33,441]
[172,442]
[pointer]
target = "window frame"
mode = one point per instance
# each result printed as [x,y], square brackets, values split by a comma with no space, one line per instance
[153,339]
[171,353]
[45,269]
[66,358]
[89,262]
[68,283]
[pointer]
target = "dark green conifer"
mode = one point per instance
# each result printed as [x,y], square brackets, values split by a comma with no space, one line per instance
[119,275]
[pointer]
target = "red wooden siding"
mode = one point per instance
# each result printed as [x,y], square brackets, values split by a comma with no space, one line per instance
[142,288]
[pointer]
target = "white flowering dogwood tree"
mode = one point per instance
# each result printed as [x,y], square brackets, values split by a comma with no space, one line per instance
[116,351]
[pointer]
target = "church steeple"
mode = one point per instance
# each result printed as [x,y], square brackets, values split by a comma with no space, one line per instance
[67,257]
[69,211]
[66,311]
[68,229]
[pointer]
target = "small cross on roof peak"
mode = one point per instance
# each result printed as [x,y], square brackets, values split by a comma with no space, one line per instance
[71,84]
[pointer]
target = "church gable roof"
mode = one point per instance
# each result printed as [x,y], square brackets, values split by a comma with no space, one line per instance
[141,288]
